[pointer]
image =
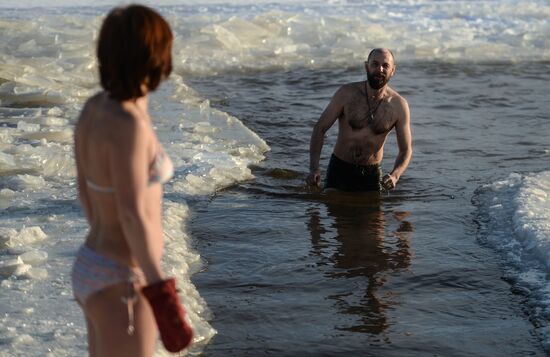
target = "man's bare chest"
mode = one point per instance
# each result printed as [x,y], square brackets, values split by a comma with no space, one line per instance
[379,119]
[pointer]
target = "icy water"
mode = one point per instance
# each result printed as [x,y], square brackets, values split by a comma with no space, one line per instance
[295,273]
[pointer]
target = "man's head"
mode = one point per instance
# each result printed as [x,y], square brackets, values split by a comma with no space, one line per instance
[380,66]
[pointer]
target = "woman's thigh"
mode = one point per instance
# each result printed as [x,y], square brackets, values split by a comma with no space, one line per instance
[107,312]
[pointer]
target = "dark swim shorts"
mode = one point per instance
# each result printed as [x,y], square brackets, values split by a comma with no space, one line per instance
[344,176]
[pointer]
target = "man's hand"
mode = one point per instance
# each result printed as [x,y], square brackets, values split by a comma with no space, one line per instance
[314,178]
[388,182]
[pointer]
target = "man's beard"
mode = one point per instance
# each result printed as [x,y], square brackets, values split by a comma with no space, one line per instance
[377,81]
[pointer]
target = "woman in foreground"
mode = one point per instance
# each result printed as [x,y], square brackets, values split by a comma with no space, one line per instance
[117,275]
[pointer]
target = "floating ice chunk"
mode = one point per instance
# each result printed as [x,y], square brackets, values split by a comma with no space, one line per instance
[64,136]
[539,194]
[205,128]
[6,138]
[248,33]
[28,127]
[251,152]
[285,49]
[205,110]
[28,46]
[6,234]
[179,211]
[26,236]
[53,121]
[194,180]
[7,161]
[226,37]
[30,96]
[23,339]
[55,111]
[22,270]
[8,267]
[34,257]
[37,273]
[22,182]
[6,192]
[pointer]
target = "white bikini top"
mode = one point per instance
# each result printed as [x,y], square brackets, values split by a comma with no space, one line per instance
[161,171]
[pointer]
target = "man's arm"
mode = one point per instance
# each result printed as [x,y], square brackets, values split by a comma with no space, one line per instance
[404,143]
[325,122]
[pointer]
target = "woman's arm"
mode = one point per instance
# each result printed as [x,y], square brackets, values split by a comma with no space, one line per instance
[80,174]
[129,160]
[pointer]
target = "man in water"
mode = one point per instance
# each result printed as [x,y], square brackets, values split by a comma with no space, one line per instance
[366,112]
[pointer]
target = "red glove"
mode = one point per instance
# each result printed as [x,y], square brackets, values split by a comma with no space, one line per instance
[175,333]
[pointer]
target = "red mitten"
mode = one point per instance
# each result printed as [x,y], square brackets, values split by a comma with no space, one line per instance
[175,333]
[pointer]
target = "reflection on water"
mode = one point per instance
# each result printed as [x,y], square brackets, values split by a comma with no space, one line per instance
[365,249]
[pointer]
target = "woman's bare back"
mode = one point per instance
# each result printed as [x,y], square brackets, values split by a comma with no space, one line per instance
[97,139]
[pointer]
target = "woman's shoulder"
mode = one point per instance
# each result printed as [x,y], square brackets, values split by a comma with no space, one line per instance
[112,120]
[93,101]
[92,108]
[127,123]
[102,108]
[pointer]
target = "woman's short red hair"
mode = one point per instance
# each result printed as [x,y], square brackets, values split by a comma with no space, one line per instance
[134,48]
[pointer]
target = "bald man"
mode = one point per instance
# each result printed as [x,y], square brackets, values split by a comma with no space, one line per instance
[366,112]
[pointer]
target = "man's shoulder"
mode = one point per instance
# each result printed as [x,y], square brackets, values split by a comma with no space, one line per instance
[397,98]
[352,88]
[399,104]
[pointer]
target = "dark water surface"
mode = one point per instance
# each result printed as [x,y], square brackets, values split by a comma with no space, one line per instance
[294,273]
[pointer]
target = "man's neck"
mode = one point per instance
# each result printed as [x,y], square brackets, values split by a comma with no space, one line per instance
[377,93]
